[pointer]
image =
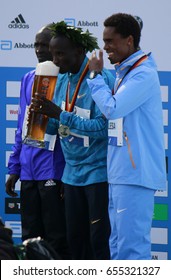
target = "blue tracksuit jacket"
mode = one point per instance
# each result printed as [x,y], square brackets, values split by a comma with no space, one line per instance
[141,158]
[86,152]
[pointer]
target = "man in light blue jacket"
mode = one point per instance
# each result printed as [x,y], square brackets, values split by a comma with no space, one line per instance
[136,155]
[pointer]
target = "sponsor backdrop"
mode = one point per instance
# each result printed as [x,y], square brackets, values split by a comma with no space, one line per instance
[19,25]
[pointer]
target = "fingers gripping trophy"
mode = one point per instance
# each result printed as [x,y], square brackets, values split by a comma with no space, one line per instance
[44,83]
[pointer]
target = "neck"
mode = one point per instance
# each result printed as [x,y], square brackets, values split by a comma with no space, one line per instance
[129,54]
[76,68]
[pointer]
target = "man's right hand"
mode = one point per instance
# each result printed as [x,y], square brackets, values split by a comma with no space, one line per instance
[96,63]
[44,106]
[10,185]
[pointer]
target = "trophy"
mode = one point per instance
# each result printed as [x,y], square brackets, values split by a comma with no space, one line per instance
[44,83]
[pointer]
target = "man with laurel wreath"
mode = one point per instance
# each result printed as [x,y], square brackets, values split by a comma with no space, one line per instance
[83,132]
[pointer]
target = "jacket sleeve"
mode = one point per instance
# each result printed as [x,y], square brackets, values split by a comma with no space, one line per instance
[131,94]
[97,125]
[52,127]
[95,128]
[14,159]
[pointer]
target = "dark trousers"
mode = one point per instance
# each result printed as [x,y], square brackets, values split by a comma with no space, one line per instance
[43,214]
[88,226]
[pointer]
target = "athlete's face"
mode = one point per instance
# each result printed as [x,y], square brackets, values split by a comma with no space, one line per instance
[65,55]
[41,46]
[117,47]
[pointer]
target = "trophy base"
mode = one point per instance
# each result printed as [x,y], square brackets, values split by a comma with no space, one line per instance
[34,143]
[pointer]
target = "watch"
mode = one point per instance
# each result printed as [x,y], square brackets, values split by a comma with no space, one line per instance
[93,74]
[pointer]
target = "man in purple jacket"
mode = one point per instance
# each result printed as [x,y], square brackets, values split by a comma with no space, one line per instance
[40,171]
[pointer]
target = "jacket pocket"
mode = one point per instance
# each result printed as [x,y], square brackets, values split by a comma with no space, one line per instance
[129,150]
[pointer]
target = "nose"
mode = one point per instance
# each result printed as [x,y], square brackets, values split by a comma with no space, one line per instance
[105,47]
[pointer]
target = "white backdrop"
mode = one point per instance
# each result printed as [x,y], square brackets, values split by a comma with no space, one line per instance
[156,33]
[20,21]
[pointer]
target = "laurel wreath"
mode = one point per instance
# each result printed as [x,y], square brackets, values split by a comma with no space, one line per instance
[76,35]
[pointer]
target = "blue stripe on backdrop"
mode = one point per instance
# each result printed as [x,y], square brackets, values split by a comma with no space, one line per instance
[9,207]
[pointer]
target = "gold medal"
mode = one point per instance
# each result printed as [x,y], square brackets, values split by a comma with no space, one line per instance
[63,131]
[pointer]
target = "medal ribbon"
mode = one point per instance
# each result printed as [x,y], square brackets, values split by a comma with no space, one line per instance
[69,107]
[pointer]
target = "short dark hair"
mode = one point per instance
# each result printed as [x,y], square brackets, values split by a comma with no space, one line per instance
[125,25]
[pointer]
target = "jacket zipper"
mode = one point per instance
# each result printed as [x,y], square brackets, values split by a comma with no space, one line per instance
[129,150]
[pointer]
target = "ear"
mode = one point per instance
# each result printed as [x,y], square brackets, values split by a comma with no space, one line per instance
[130,40]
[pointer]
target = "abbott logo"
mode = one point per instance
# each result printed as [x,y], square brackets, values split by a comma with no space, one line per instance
[81,23]
[5,45]
[70,21]
[18,22]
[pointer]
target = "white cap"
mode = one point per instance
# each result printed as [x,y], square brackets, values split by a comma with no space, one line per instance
[47,68]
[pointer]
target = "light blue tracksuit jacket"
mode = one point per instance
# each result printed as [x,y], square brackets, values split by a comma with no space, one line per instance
[141,159]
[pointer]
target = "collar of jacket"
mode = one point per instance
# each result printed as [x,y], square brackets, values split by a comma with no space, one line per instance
[124,65]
